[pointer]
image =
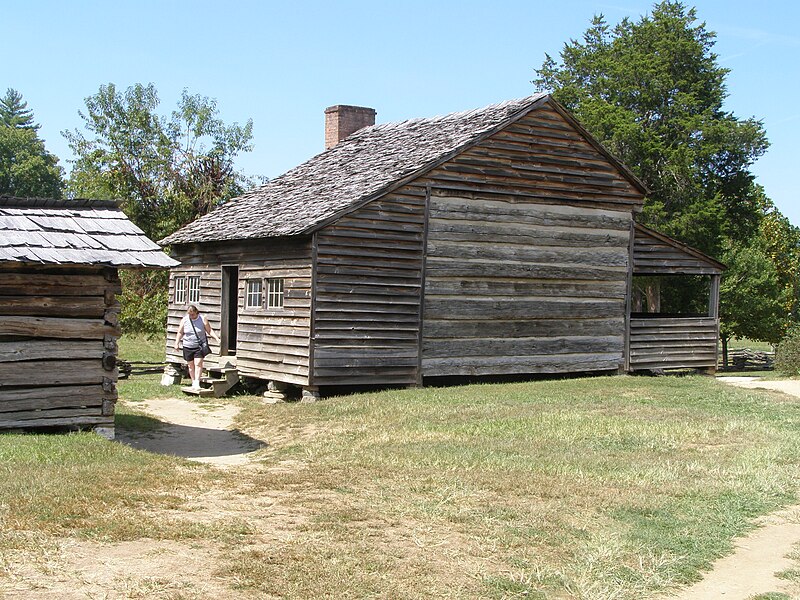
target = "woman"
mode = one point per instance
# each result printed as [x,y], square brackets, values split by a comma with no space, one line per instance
[193,330]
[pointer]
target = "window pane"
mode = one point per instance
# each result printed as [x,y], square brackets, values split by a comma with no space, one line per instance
[254,290]
[180,290]
[275,293]
[194,289]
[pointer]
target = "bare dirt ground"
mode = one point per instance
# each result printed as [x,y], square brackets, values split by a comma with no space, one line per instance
[201,432]
[74,569]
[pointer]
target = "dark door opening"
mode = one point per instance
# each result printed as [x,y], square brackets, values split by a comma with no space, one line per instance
[229,310]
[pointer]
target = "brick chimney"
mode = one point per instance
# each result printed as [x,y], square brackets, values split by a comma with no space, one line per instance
[342,120]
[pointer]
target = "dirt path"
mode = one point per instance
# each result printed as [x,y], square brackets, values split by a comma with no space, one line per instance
[70,569]
[751,569]
[201,432]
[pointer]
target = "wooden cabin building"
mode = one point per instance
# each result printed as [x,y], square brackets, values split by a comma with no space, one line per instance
[59,312]
[494,241]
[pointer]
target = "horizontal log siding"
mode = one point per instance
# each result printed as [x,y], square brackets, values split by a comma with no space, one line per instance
[523,287]
[673,343]
[527,255]
[58,332]
[369,274]
[272,343]
[541,157]
[652,256]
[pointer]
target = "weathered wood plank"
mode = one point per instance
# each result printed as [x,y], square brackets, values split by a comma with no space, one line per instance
[56,327]
[523,288]
[447,348]
[50,349]
[543,308]
[575,363]
[54,284]
[50,397]
[79,421]
[54,413]
[488,327]
[503,252]
[42,372]
[448,267]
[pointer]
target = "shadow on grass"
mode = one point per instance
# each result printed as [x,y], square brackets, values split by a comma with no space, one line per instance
[160,437]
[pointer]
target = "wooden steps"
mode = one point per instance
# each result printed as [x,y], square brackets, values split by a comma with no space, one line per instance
[217,384]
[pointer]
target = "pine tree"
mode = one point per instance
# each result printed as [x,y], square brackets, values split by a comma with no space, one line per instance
[14,111]
[26,167]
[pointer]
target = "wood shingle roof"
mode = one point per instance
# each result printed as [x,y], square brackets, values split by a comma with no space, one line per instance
[96,232]
[364,166]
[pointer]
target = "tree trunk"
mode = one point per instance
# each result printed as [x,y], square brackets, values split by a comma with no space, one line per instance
[724,339]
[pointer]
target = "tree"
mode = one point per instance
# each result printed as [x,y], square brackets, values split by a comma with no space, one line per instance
[652,92]
[166,170]
[26,167]
[781,242]
[14,111]
[752,301]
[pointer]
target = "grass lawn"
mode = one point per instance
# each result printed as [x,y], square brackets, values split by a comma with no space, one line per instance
[608,487]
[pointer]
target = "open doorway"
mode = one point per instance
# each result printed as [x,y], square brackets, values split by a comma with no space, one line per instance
[229,310]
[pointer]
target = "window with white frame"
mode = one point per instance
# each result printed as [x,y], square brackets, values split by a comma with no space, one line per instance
[275,293]
[194,289]
[180,290]
[255,291]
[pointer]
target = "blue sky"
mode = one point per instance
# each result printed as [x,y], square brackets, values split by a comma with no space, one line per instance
[281,64]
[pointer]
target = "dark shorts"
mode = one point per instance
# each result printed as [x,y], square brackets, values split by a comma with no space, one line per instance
[191,353]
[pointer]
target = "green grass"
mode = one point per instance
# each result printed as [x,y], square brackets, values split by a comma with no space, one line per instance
[139,348]
[740,343]
[80,484]
[607,487]
[594,488]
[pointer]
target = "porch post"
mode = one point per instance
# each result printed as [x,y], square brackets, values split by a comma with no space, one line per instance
[713,311]
[713,297]
[625,367]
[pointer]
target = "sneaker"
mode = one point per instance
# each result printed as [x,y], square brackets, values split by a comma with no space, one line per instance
[195,385]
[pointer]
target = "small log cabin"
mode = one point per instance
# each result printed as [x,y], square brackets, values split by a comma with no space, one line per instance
[495,241]
[58,309]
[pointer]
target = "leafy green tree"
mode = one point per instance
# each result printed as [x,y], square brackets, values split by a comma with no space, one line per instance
[14,111]
[651,91]
[781,242]
[752,300]
[166,169]
[26,167]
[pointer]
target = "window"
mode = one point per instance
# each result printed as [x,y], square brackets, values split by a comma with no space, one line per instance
[275,293]
[180,290]
[255,289]
[194,289]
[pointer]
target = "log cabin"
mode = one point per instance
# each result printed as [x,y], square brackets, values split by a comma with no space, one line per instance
[494,241]
[59,262]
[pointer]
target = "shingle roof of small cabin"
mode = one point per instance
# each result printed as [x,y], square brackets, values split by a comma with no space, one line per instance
[96,232]
[364,166]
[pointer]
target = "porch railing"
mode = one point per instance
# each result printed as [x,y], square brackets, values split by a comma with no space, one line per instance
[662,342]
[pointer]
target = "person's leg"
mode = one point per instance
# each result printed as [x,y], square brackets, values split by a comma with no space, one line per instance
[198,369]
[190,364]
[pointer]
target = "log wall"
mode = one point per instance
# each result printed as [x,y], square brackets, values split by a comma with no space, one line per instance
[673,342]
[367,293]
[528,248]
[272,343]
[58,332]
[653,256]
[523,288]
[522,251]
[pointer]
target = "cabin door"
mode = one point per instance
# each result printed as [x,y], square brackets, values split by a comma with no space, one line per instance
[229,311]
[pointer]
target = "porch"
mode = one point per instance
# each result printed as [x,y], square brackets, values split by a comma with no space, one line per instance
[675,339]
